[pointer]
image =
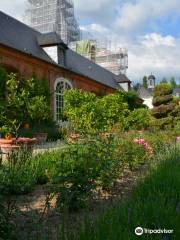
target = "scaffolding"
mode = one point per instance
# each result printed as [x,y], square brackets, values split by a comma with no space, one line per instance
[86,48]
[53,15]
[101,52]
[116,61]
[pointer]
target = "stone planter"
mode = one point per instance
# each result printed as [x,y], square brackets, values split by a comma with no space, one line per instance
[14,145]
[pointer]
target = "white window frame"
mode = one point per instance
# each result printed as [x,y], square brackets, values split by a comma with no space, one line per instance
[64,81]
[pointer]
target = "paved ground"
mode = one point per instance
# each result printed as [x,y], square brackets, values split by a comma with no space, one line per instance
[49,146]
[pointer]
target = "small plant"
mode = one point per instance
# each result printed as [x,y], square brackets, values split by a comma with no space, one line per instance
[38,109]
[138,119]
[17,175]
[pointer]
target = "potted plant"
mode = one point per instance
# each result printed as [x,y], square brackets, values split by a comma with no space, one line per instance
[39,112]
[11,141]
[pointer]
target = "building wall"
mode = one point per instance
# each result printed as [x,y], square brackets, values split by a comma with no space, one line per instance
[27,65]
[125,86]
[148,102]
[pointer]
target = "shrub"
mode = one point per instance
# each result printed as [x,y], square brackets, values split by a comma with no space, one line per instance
[138,119]
[38,109]
[132,99]
[45,165]
[162,123]
[95,161]
[81,168]
[3,79]
[162,89]
[76,175]
[163,110]
[91,114]
[26,100]
[17,175]
[153,202]
[164,105]
[131,154]
[162,99]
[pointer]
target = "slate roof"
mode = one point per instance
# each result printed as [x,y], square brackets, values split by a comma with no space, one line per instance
[176,90]
[84,66]
[142,92]
[21,37]
[50,39]
[122,78]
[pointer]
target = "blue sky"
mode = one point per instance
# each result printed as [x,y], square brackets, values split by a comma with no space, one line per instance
[149,29]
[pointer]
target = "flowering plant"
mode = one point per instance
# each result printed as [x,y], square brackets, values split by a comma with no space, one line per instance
[146,145]
[178,139]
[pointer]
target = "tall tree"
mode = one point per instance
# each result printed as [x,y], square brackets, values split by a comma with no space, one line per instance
[165,109]
[145,79]
[164,80]
[173,82]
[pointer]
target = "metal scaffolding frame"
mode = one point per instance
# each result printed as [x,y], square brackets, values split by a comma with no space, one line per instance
[53,15]
[115,61]
[101,52]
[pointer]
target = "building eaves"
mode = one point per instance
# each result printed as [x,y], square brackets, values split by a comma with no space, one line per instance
[122,78]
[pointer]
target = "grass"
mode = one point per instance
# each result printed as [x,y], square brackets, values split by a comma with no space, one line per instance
[154,204]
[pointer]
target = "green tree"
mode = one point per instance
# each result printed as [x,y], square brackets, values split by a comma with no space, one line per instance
[90,114]
[145,79]
[22,97]
[38,109]
[3,79]
[165,108]
[173,82]
[164,80]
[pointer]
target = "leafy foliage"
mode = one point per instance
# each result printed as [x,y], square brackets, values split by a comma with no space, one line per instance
[38,109]
[138,119]
[17,175]
[162,100]
[145,80]
[153,202]
[25,100]
[3,79]
[162,89]
[76,171]
[90,114]
[164,106]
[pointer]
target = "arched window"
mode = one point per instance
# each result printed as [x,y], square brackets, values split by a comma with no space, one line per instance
[60,86]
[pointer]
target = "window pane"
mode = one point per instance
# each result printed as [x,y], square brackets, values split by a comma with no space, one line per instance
[59,98]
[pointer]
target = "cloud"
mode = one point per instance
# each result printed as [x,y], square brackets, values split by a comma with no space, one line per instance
[14,8]
[155,39]
[97,11]
[136,27]
[157,55]
[135,16]
[134,24]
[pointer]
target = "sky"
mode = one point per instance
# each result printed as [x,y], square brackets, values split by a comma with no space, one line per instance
[149,29]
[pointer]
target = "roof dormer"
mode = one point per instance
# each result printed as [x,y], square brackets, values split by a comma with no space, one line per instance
[53,46]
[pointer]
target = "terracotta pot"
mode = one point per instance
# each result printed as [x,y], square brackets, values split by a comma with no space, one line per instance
[5,141]
[25,140]
[9,146]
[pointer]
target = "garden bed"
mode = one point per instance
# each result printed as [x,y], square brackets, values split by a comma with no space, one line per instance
[32,208]
[56,189]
